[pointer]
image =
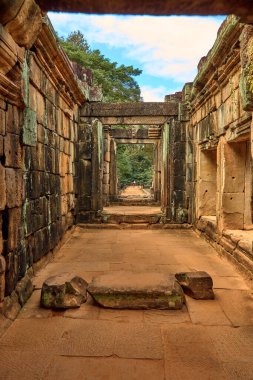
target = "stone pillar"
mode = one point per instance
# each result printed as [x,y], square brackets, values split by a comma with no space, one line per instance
[232,170]
[113,171]
[106,165]
[97,167]
[157,172]
[206,182]
[164,170]
[85,171]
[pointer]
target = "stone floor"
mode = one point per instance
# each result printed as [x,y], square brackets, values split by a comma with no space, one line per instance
[132,210]
[135,191]
[206,340]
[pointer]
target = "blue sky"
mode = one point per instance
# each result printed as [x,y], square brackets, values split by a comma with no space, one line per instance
[167,49]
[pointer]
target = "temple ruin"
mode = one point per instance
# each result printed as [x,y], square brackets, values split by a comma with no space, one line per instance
[58,143]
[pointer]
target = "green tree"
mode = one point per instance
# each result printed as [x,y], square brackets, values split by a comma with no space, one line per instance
[134,163]
[117,81]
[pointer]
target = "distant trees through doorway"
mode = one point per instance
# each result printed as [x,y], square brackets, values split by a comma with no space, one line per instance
[135,164]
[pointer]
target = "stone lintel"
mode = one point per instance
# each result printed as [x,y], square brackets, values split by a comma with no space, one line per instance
[136,120]
[136,141]
[159,7]
[131,109]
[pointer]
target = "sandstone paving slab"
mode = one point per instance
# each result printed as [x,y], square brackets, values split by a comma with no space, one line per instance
[126,316]
[84,254]
[232,344]
[229,282]
[144,290]
[166,316]
[237,305]
[86,311]
[27,365]
[208,370]
[33,334]
[190,353]
[66,368]
[138,341]
[238,370]
[206,312]
[87,338]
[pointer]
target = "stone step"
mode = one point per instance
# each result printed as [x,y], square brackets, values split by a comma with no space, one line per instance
[140,226]
[131,218]
[134,202]
[131,290]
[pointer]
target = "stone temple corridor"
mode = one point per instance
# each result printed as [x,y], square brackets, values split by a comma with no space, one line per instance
[210,339]
[103,282]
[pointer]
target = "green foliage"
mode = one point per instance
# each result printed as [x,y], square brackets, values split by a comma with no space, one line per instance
[117,82]
[134,163]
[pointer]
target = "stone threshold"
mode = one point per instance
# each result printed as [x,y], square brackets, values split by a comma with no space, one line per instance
[235,245]
[135,226]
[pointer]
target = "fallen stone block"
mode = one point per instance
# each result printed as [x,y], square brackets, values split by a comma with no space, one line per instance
[198,285]
[128,290]
[64,291]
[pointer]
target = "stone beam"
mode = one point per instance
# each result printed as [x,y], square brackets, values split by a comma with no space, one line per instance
[131,133]
[134,120]
[158,7]
[130,109]
[136,141]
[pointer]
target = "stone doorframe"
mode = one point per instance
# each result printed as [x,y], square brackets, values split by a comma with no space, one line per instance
[160,126]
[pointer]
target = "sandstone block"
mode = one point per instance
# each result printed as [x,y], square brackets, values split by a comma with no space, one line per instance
[12,151]
[63,292]
[14,187]
[128,290]
[198,285]
[12,120]
[2,122]
[25,27]
[2,188]
[24,289]
[11,306]
[2,277]
[14,216]
[9,10]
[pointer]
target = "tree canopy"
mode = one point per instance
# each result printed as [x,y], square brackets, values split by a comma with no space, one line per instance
[134,163]
[117,81]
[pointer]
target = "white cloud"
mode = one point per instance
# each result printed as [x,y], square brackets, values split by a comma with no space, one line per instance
[156,94]
[165,47]
[153,94]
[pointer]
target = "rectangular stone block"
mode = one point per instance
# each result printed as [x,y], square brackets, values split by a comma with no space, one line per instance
[12,120]
[2,122]
[14,224]
[14,186]
[12,151]
[2,278]
[2,188]
[85,177]
[11,275]
[29,133]
[232,211]
[128,290]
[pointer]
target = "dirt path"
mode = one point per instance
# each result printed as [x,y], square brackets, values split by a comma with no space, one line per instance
[206,340]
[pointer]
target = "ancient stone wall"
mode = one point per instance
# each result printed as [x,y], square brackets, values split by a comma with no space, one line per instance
[221,105]
[39,100]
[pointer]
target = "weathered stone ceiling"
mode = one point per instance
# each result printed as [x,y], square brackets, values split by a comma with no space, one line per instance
[158,7]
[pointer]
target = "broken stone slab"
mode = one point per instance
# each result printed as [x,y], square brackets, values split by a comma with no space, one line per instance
[129,290]
[64,291]
[198,285]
